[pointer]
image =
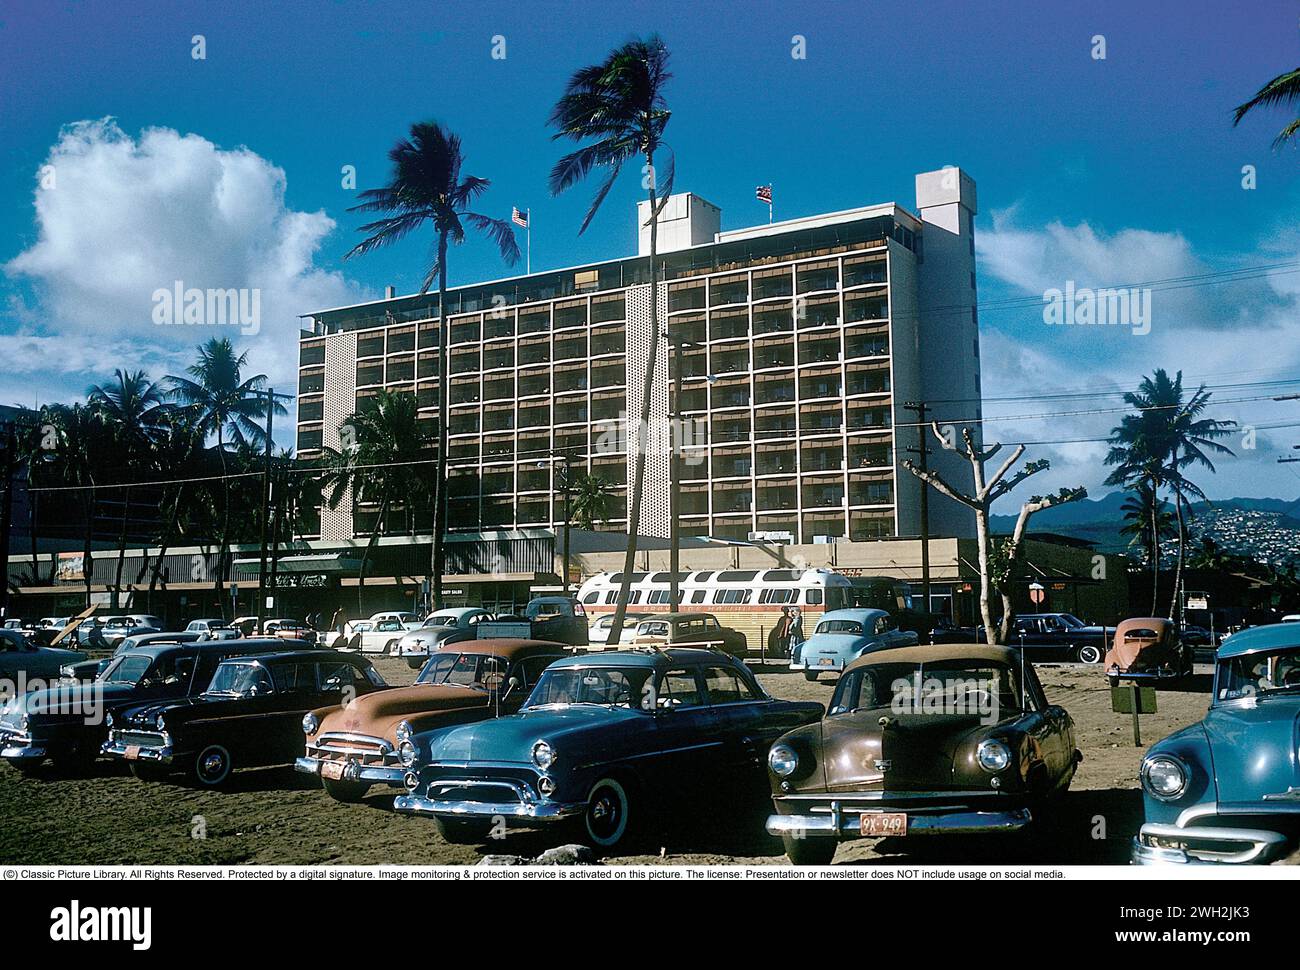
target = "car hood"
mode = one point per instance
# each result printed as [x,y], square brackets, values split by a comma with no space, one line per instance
[144,715]
[1254,748]
[73,700]
[378,714]
[912,752]
[511,739]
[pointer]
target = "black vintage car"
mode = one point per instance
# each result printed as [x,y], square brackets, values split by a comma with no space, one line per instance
[1045,637]
[66,723]
[250,715]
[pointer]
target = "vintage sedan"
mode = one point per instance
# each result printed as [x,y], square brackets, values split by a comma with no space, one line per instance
[1148,648]
[1227,789]
[609,741]
[598,632]
[68,724]
[842,636]
[250,715]
[921,741]
[453,625]
[688,630]
[375,739]
[22,659]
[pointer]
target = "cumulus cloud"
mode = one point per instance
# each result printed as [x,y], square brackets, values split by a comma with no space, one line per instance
[120,218]
[1231,332]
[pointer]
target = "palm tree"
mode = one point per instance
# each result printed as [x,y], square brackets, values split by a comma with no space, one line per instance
[82,448]
[1138,516]
[221,402]
[1283,89]
[427,187]
[133,407]
[592,501]
[618,108]
[377,470]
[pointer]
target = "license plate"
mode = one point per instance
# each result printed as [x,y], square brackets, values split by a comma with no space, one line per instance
[826,661]
[882,824]
[333,770]
[133,752]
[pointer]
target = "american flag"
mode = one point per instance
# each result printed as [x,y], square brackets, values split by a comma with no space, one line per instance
[518,218]
[764,193]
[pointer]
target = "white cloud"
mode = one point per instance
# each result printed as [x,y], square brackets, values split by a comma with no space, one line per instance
[1235,332]
[124,217]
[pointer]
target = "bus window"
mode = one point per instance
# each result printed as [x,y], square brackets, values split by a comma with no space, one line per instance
[733,596]
[836,599]
[698,596]
[813,597]
[591,598]
[737,576]
[778,596]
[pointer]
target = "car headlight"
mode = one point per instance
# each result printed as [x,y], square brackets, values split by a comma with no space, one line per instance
[1164,777]
[543,755]
[108,720]
[65,670]
[310,722]
[782,760]
[404,732]
[159,723]
[406,753]
[993,755]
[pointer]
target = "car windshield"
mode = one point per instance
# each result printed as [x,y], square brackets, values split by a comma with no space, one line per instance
[240,680]
[1072,621]
[838,626]
[941,687]
[479,671]
[604,686]
[1259,674]
[541,609]
[129,669]
[441,619]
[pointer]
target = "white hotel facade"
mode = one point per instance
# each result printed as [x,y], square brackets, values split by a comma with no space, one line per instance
[806,339]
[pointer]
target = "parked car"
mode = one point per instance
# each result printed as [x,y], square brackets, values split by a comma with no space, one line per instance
[118,628]
[559,619]
[375,739]
[1148,648]
[442,627]
[690,629]
[381,636]
[1060,636]
[921,741]
[19,656]
[410,621]
[67,724]
[842,636]
[598,632]
[249,715]
[1227,789]
[207,625]
[607,740]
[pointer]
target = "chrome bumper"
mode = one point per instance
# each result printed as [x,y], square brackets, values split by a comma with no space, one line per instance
[19,747]
[117,749]
[1256,845]
[380,774]
[841,823]
[527,807]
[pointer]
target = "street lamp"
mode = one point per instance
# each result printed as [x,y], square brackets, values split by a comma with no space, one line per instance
[565,488]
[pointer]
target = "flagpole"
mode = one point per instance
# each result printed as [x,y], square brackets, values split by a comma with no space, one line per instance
[769,203]
[528,236]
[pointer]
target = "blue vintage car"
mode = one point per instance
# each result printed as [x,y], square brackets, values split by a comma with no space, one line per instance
[1227,789]
[842,636]
[605,740]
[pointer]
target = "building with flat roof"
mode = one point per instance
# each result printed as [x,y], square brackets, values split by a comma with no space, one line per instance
[802,341]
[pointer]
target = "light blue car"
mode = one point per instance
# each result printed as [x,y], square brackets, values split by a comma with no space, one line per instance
[842,636]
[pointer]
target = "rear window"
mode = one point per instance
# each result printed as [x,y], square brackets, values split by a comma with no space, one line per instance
[838,626]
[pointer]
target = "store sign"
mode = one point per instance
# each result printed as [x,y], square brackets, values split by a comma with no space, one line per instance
[300,581]
[71,567]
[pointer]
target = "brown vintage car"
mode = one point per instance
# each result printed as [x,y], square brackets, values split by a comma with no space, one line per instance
[373,739]
[920,741]
[1148,648]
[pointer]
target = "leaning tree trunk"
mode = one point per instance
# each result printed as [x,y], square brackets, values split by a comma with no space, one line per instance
[1155,549]
[1178,568]
[365,555]
[986,607]
[444,395]
[643,418]
[218,580]
[121,549]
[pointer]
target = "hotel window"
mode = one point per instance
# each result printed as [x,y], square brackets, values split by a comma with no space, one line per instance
[810,277]
[862,306]
[311,411]
[866,343]
[464,391]
[866,418]
[570,348]
[730,426]
[310,439]
[571,314]
[822,457]
[312,383]
[463,422]
[571,378]
[868,380]
[427,336]
[695,501]
[495,357]
[732,462]
[613,471]
[608,375]
[818,311]
[310,354]
[499,324]
[776,496]
[695,398]
[498,417]
[819,350]
[820,383]
[731,393]
[426,365]
[870,525]
[401,341]
[571,410]
[606,309]
[371,345]
[535,415]
[498,449]
[822,524]
[773,389]
[728,324]
[730,360]
[466,329]
[426,396]
[534,352]
[401,370]
[870,455]
[572,442]
[610,340]
[871,490]
[775,459]
[769,283]
[534,382]
[686,296]
[773,319]
[725,290]
[606,407]
[532,478]
[534,321]
[732,497]
[864,270]
[821,419]
[465,361]
[690,327]
[370,374]
[586,280]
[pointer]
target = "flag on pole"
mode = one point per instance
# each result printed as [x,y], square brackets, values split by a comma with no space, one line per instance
[518,218]
[764,194]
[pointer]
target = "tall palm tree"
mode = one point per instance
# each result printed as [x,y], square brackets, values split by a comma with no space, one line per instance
[134,408]
[83,448]
[388,436]
[1283,89]
[1138,516]
[427,187]
[221,402]
[592,501]
[618,108]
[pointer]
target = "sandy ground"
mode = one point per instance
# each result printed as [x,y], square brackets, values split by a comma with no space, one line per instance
[275,816]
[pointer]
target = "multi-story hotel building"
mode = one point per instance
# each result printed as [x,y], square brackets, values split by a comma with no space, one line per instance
[804,340]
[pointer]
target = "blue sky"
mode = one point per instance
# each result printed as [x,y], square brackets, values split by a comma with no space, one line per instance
[1109,171]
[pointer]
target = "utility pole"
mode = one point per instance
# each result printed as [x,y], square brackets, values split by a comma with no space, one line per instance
[922,452]
[266,504]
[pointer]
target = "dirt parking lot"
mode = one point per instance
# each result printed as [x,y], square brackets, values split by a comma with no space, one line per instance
[275,816]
